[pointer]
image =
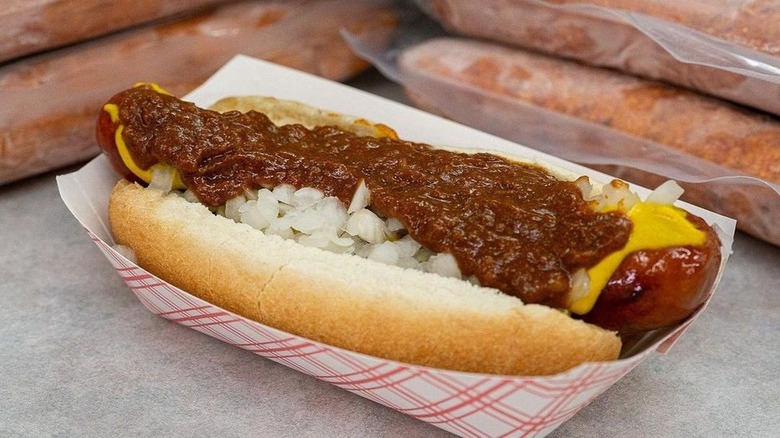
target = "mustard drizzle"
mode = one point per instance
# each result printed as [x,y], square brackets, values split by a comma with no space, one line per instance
[124,153]
[655,226]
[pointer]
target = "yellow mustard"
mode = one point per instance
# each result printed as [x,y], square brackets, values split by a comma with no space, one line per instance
[144,174]
[655,226]
[153,86]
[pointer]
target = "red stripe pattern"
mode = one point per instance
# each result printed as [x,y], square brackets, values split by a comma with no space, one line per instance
[469,405]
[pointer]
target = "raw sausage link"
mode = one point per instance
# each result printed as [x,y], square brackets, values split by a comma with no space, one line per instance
[501,81]
[750,24]
[53,97]
[28,27]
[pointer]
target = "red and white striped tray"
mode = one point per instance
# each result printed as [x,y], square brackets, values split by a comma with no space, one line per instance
[461,403]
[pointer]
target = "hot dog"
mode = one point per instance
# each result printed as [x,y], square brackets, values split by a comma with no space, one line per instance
[523,262]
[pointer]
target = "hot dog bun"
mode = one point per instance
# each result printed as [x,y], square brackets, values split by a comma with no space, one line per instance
[345,300]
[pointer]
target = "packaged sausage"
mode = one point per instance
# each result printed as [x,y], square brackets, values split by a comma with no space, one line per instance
[33,26]
[725,155]
[727,48]
[48,117]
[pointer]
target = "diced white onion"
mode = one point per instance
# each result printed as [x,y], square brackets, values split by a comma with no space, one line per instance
[580,285]
[232,206]
[385,252]
[284,193]
[408,262]
[267,205]
[583,183]
[306,221]
[407,247]
[334,212]
[250,195]
[365,224]
[360,199]
[344,242]
[162,178]
[250,214]
[443,264]
[306,196]
[312,219]
[393,225]
[189,195]
[617,194]
[317,240]
[281,228]
[667,193]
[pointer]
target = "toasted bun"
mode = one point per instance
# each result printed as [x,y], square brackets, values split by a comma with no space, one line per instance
[345,300]
[283,112]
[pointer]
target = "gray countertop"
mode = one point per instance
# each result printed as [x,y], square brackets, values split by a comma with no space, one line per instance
[80,355]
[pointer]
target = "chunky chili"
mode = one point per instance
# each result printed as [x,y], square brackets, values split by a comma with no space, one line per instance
[513,226]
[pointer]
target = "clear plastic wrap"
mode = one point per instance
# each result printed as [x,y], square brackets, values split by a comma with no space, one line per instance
[50,101]
[604,121]
[727,48]
[33,26]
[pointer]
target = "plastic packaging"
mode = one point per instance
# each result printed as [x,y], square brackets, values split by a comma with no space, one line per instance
[28,27]
[727,48]
[50,101]
[501,99]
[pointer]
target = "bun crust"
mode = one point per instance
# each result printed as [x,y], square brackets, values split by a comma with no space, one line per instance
[347,301]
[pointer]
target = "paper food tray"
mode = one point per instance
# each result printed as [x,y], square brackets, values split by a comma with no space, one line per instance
[465,404]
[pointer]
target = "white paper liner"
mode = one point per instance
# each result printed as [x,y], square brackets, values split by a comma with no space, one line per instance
[465,404]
